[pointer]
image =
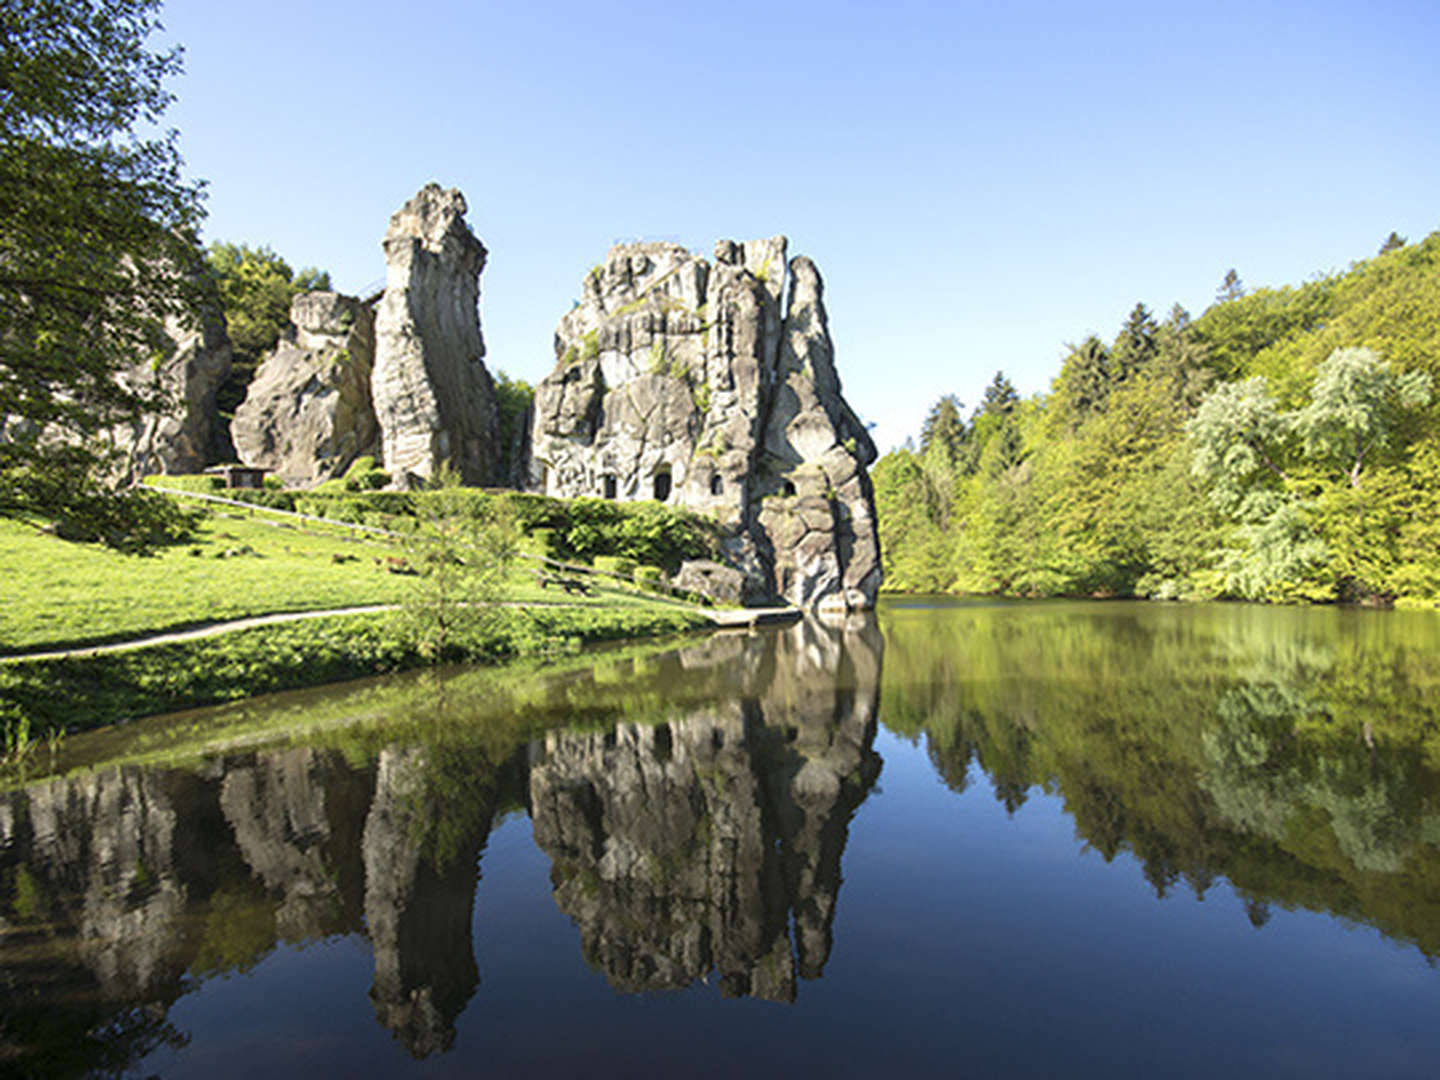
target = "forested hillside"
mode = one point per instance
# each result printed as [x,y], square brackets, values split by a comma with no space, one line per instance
[1285,445]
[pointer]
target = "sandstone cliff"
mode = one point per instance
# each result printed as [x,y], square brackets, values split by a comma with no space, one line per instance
[714,386]
[433,397]
[308,413]
[186,435]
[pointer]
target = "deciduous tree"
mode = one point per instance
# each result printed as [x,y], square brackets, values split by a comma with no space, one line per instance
[1354,407]
[96,235]
[459,552]
[256,287]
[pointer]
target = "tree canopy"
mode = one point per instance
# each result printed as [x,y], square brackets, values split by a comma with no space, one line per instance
[1284,445]
[256,286]
[97,227]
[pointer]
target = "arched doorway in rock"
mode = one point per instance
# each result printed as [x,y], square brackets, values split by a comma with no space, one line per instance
[608,485]
[662,483]
[716,484]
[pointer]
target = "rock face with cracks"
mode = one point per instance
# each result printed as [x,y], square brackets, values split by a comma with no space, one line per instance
[308,413]
[713,842]
[433,397]
[187,434]
[713,386]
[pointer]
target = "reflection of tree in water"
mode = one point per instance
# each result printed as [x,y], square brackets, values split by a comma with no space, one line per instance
[1269,781]
[1289,752]
[693,846]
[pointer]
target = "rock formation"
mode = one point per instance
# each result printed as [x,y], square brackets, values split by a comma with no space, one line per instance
[307,415]
[713,386]
[418,905]
[187,435]
[693,846]
[433,397]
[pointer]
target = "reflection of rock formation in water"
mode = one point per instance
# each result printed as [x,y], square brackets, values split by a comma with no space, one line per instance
[118,863]
[711,842]
[109,842]
[291,814]
[689,846]
[419,893]
[123,882]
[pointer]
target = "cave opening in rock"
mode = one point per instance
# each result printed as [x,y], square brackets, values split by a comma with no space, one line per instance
[662,485]
[787,487]
[609,485]
[716,485]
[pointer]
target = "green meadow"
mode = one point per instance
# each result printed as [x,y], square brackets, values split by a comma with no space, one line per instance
[241,563]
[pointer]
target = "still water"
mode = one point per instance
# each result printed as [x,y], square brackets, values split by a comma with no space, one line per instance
[959,838]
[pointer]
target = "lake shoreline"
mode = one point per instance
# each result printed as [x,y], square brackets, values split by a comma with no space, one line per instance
[1398,603]
[74,694]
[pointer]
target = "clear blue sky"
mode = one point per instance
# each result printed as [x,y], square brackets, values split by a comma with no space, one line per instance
[978,183]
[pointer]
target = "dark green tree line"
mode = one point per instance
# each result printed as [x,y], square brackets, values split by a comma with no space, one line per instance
[1285,445]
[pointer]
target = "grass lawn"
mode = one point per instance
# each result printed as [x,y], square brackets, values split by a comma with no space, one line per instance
[241,563]
[59,592]
[87,691]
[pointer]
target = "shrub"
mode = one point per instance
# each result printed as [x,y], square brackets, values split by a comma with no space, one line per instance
[646,532]
[365,475]
[274,500]
[206,485]
[135,520]
[545,542]
[649,577]
[618,565]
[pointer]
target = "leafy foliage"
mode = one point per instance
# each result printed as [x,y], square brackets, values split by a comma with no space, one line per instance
[460,561]
[1282,446]
[648,532]
[256,286]
[96,246]
[513,400]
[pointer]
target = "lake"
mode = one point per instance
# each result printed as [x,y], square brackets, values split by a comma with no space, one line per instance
[957,837]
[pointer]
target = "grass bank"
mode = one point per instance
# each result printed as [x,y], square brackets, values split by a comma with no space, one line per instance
[499,707]
[84,692]
[243,563]
[59,593]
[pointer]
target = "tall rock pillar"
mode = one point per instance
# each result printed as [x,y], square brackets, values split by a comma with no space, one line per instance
[433,397]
